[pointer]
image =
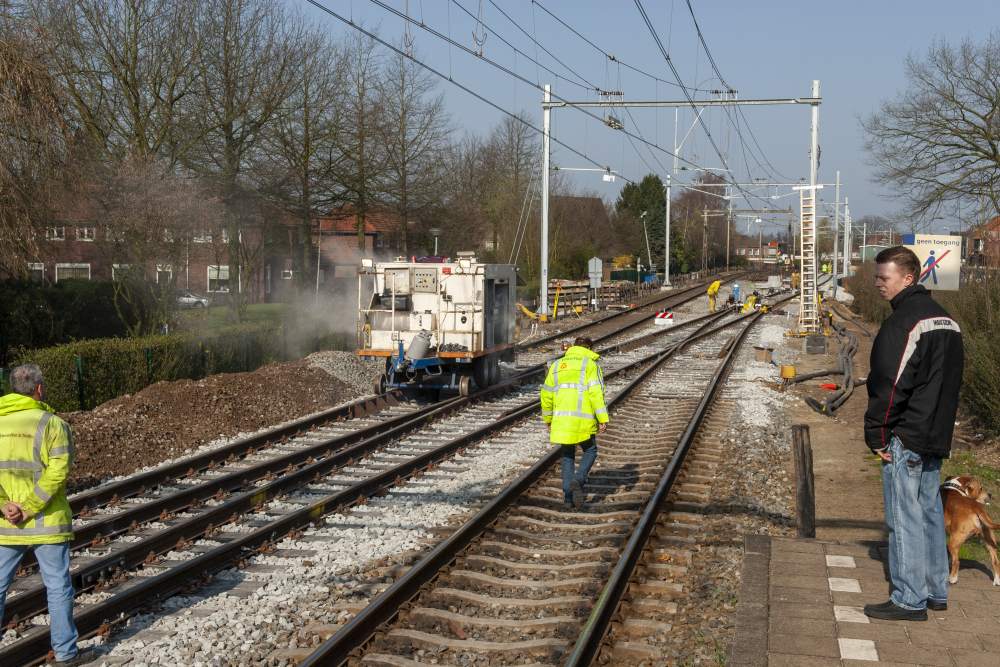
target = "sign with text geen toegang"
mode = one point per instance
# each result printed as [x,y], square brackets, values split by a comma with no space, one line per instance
[940,259]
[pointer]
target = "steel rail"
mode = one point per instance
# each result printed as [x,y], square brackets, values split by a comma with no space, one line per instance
[364,627]
[588,643]
[664,297]
[31,647]
[134,485]
[319,459]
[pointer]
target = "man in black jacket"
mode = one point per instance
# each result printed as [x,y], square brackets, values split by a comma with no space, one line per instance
[916,372]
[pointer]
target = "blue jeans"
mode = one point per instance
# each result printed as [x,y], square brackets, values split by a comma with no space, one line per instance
[918,548]
[53,560]
[586,461]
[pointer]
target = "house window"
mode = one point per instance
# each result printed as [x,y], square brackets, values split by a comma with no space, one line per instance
[267,279]
[225,236]
[322,276]
[164,274]
[488,245]
[72,271]
[286,275]
[84,232]
[119,271]
[379,240]
[55,234]
[37,272]
[218,278]
[202,236]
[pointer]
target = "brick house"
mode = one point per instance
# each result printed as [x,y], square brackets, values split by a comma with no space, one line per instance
[69,251]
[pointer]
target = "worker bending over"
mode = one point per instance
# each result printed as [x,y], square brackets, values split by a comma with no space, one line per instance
[713,291]
[573,406]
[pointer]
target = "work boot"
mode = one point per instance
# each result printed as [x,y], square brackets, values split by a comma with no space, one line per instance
[890,611]
[567,505]
[578,497]
[936,606]
[82,658]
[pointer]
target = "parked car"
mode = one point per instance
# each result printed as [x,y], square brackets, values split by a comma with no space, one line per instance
[186,299]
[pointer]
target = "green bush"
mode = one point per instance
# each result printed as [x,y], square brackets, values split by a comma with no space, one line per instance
[867,301]
[113,367]
[37,316]
[976,308]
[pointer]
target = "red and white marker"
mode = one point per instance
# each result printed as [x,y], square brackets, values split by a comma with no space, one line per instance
[663,319]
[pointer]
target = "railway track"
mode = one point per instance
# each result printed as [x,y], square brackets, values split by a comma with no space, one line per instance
[618,323]
[135,545]
[524,580]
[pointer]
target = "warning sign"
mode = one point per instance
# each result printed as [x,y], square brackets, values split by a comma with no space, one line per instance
[940,259]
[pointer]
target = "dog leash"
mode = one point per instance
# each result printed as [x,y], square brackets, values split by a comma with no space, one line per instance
[953,485]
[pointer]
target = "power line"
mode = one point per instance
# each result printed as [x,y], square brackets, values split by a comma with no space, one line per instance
[427,67]
[521,78]
[602,51]
[538,44]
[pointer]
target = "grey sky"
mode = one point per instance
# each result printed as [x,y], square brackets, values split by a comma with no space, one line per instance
[766,49]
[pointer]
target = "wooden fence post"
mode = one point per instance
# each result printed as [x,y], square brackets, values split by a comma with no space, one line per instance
[805,488]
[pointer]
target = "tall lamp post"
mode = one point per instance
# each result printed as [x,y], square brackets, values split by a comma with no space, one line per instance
[435,232]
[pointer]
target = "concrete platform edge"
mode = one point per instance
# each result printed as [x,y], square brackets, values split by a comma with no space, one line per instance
[749,647]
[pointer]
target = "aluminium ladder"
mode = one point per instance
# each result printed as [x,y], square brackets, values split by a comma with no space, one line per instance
[809,317]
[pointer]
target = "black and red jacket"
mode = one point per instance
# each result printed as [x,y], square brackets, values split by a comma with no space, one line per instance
[916,372]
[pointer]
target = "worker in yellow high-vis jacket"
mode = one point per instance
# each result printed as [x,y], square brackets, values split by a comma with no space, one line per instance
[713,292]
[573,406]
[36,453]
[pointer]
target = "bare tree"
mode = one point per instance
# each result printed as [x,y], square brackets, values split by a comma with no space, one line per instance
[416,126]
[296,165]
[145,216]
[131,69]
[361,172]
[938,141]
[249,68]
[34,142]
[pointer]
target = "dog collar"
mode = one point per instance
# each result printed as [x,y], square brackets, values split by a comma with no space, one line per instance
[953,485]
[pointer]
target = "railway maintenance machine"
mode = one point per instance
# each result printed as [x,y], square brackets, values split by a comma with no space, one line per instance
[438,325]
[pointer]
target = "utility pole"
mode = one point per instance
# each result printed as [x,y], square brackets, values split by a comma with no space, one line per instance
[847,239]
[543,307]
[666,256]
[704,241]
[729,224]
[760,245]
[791,241]
[836,235]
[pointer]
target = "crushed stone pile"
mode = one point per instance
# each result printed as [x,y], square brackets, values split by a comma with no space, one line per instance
[348,367]
[168,419]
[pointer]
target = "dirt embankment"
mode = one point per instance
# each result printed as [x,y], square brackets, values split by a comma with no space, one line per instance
[167,418]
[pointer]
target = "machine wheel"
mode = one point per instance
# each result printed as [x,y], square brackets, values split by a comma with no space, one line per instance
[378,385]
[494,369]
[463,385]
[481,371]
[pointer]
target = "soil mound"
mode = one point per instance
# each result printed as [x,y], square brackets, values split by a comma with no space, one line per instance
[167,418]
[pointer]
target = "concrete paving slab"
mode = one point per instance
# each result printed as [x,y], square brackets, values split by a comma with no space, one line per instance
[784,620]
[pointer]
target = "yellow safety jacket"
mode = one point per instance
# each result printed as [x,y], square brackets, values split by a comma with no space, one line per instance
[36,452]
[573,397]
[713,289]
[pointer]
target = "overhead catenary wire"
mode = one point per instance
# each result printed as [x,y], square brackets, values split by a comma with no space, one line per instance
[430,69]
[506,70]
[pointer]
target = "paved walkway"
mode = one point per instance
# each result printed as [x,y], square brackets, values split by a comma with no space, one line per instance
[801,605]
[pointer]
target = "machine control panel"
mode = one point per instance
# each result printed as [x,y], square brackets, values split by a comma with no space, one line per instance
[425,280]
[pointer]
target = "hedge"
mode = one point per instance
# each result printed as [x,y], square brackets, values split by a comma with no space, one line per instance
[114,367]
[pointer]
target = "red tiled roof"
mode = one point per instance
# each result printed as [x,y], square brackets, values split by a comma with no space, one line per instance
[343,220]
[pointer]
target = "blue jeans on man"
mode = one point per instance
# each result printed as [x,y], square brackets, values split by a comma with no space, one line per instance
[918,547]
[589,448]
[53,561]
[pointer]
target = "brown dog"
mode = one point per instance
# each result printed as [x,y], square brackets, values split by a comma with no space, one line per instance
[964,516]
